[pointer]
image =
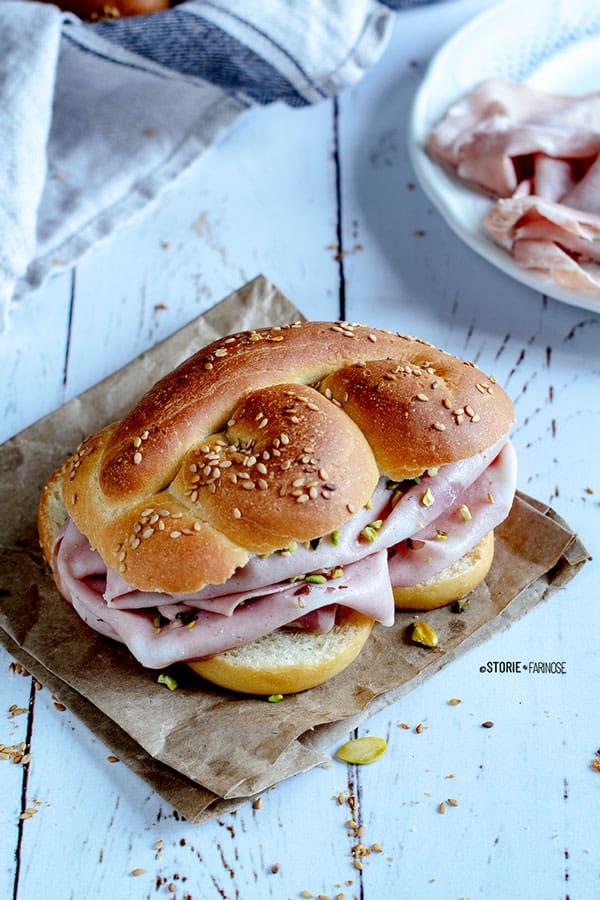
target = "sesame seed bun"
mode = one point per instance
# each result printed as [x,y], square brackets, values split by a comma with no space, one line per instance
[453,583]
[268,437]
[287,661]
[262,439]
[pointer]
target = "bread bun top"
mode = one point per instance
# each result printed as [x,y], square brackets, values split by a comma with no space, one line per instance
[267,437]
[94,10]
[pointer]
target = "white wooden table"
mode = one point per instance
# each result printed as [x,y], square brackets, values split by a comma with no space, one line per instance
[324,202]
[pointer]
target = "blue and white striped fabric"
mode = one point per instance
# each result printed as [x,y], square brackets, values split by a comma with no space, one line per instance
[102,117]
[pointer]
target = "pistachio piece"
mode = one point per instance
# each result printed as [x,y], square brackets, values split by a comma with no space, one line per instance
[465,512]
[427,498]
[167,680]
[422,633]
[363,750]
[460,605]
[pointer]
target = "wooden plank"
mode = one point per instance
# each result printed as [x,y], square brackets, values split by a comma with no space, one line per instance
[245,210]
[16,695]
[32,355]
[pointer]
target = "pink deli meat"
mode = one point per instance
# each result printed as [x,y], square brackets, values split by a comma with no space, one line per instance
[270,593]
[364,586]
[538,153]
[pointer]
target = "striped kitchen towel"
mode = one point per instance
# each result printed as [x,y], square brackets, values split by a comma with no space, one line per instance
[97,119]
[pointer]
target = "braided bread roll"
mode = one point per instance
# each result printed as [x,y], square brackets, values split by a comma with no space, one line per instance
[262,439]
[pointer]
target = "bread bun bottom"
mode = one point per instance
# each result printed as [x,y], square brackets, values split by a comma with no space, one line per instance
[452,583]
[287,661]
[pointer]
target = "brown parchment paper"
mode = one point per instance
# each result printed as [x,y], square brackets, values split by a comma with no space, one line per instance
[203,749]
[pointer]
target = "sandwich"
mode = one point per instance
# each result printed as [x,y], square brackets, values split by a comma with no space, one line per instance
[279,493]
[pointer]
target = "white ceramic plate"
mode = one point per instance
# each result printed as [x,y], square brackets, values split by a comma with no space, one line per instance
[551,44]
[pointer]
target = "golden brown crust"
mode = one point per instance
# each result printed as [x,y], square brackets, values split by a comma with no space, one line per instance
[51,513]
[438,408]
[310,413]
[263,489]
[112,9]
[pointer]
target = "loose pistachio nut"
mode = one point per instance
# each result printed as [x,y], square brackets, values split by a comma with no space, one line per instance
[167,680]
[422,633]
[362,750]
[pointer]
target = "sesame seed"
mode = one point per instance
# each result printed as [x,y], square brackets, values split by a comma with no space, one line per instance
[137,442]
[439,426]
[248,485]
[221,352]
[137,458]
[146,533]
[284,439]
[423,397]
[373,338]
[446,403]
[147,512]
[263,423]
[237,513]
[475,418]
[175,534]
[262,484]
[145,435]
[323,474]
[469,411]
[303,498]
[312,406]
